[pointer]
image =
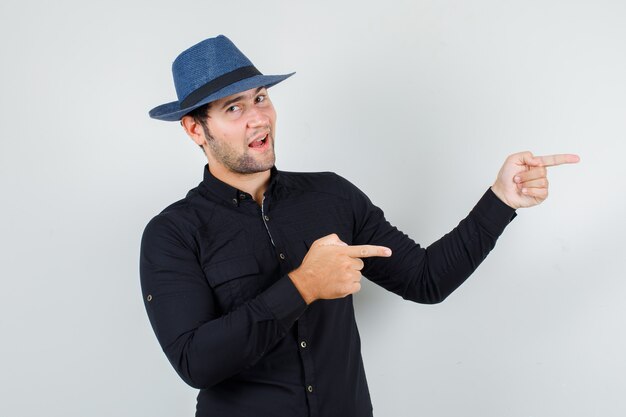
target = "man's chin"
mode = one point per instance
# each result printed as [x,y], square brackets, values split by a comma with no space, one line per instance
[266,163]
[254,168]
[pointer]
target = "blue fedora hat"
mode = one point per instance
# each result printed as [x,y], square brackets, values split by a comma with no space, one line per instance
[208,71]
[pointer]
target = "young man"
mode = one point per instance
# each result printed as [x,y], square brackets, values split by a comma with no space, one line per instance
[247,281]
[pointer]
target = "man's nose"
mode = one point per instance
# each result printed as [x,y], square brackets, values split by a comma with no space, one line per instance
[257,118]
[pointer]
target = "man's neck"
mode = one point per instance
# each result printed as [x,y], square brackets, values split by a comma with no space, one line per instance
[254,184]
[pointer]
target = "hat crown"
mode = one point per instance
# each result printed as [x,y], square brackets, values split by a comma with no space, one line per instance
[204,62]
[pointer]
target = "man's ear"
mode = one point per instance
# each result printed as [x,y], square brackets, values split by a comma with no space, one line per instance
[193,129]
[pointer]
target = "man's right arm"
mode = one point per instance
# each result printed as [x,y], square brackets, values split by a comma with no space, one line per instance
[204,346]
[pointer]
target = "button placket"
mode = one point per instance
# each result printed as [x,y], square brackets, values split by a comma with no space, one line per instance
[305,352]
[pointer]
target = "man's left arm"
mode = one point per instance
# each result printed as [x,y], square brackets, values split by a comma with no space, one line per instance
[429,275]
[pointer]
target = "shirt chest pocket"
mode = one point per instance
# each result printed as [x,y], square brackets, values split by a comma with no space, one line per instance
[234,281]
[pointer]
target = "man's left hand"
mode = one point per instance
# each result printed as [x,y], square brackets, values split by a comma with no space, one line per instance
[522,180]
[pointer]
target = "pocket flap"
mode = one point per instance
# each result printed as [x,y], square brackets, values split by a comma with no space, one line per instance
[224,271]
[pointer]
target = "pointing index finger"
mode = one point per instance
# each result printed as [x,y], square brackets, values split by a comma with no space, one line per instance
[554,160]
[367,251]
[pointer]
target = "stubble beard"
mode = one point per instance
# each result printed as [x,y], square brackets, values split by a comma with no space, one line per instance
[244,163]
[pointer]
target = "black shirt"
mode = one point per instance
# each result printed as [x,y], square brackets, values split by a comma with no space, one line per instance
[214,279]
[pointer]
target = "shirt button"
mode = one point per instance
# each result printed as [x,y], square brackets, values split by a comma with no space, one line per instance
[234,201]
[282,256]
[242,196]
[309,388]
[267,218]
[149,297]
[303,344]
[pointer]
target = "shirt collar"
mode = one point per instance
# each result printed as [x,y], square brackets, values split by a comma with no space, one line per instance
[215,189]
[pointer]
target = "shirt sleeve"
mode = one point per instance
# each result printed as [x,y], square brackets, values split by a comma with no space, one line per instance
[428,275]
[203,346]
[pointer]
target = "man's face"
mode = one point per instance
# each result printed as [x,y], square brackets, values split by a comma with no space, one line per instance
[239,132]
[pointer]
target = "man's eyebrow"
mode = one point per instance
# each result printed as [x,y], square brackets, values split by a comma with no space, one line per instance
[236,99]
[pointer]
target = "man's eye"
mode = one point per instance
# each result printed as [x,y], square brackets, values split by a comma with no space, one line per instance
[260,98]
[232,108]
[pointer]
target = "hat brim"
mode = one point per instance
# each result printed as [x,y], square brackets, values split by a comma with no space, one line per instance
[172,112]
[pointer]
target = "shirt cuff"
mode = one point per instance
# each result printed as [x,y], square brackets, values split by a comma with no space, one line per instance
[492,213]
[284,301]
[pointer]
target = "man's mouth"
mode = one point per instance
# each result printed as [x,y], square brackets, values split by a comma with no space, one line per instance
[259,142]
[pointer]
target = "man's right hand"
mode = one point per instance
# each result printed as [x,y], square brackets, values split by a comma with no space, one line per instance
[332,269]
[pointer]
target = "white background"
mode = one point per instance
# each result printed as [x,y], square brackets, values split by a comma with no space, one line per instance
[417,102]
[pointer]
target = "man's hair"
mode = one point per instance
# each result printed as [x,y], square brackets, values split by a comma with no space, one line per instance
[200,114]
